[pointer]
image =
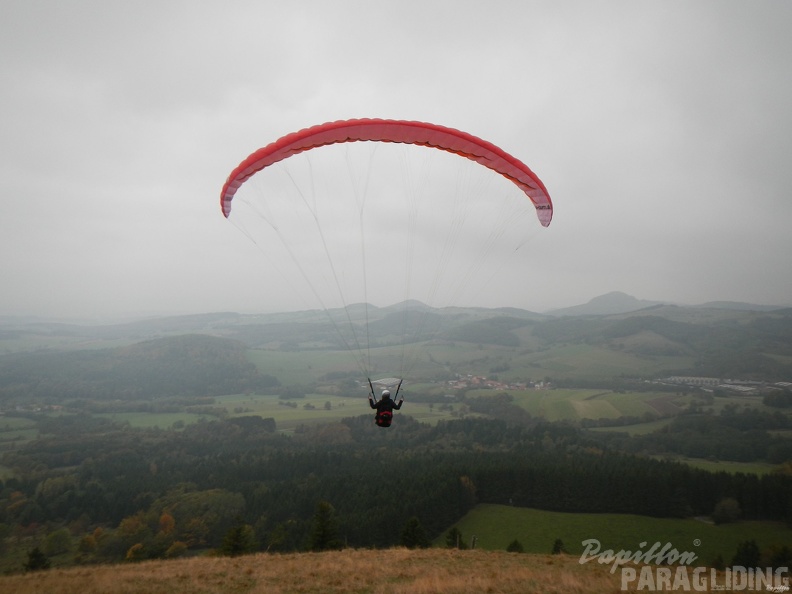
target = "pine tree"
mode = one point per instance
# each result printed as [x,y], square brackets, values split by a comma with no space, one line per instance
[37,560]
[454,539]
[413,534]
[325,529]
[239,540]
[747,554]
[727,510]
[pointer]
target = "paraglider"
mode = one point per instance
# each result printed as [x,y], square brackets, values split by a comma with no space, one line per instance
[310,205]
[418,133]
[385,405]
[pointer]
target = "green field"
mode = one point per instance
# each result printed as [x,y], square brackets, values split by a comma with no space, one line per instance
[151,420]
[574,405]
[16,431]
[726,466]
[300,368]
[495,526]
[11,424]
[311,410]
[5,473]
[296,368]
[553,405]
[589,361]
[427,360]
[319,408]
[638,428]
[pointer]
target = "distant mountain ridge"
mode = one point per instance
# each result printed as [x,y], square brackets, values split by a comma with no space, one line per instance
[611,303]
[741,306]
[206,355]
[616,302]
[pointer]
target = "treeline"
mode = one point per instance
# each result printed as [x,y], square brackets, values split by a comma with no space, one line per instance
[739,435]
[497,331]
[169,491]
[334,330]
[778,399]
[189,365]
[754,349]
[744,436]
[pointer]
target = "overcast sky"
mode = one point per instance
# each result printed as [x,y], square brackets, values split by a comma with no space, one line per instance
[662,130]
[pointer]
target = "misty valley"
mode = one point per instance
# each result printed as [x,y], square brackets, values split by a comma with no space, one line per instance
[237,433]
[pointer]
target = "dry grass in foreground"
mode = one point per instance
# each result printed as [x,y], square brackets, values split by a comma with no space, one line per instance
[394,571]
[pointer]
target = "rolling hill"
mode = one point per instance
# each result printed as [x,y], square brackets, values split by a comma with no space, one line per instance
[206,354]
[389,571]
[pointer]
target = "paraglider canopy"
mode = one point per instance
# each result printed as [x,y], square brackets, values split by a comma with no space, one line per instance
[381,232]
[400,131]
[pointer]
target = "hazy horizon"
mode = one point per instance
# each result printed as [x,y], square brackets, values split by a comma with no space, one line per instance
[125,317]
[661,131]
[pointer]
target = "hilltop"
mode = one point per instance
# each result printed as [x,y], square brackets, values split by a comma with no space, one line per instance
[226,353]
[614,302]
[617,302]
[149,440]
[389,571]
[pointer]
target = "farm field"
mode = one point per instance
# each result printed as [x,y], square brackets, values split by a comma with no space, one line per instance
[758,468]
[553,405]
[303,367]
[637,428]
[310,410]
[11,425]
[5,473]
[595,362]
[15,431]
[145,420]
[577,404]
[431,360]
[320,408]
[495,526]
[293,368]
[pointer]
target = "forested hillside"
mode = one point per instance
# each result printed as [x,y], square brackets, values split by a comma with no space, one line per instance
[49,362]
[204,479]
[755,346]
[189,365]
[150,445]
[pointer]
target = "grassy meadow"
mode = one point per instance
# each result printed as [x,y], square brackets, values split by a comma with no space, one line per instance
[430,360]
[495,526]
[438,570]
[319,408]
[14,432]
[160,420]
[728,466]
[294,368]
[390,571]
[553,405]
[576,404]
[288,414]
[314,408]
[5,472]
[590,361]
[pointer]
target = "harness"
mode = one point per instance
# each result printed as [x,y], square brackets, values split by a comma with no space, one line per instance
[385,417]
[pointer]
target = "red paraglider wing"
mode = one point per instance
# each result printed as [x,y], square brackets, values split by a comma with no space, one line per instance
[419,133]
